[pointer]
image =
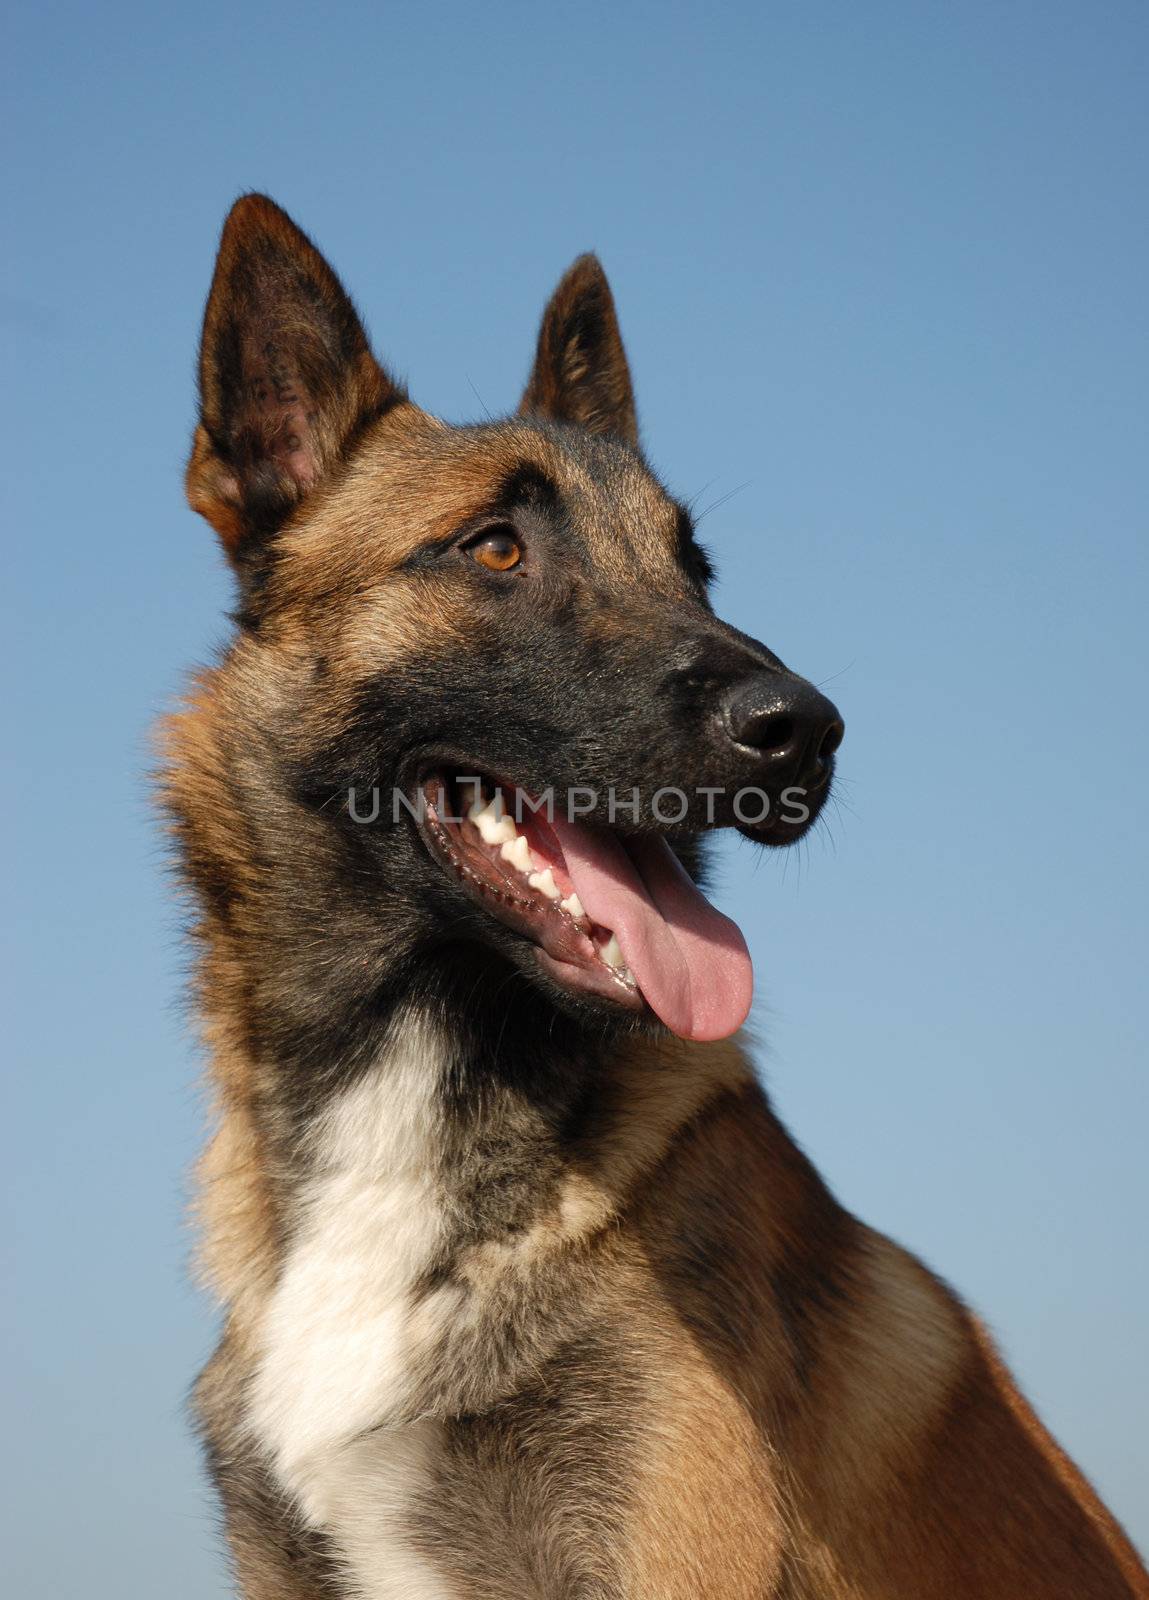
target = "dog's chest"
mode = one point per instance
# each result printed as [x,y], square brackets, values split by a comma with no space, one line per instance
[349,1318]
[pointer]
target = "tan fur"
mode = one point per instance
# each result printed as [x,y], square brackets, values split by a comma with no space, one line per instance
[692,1538]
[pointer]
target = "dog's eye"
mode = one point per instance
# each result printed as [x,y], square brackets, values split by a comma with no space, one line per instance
[498,549]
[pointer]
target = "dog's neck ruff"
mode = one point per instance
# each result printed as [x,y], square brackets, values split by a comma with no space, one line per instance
[419,1229]
[338,1333]
[352,1318]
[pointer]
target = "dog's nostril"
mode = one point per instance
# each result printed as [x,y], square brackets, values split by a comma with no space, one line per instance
[831,739]
[786,722]
[772,733]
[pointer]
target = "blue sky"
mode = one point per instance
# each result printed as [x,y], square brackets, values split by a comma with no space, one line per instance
[881,270]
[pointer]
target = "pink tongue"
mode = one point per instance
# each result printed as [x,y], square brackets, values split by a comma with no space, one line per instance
[690,961]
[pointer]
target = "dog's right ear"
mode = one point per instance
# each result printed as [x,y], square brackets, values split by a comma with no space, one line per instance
[287,379]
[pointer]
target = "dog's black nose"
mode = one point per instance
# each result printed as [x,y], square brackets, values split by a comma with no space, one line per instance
[792,728]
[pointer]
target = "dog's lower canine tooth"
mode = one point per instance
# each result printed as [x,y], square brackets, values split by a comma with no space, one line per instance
[545,882]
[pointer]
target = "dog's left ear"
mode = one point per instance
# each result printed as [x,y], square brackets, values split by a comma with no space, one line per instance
[287,379]
[581,373]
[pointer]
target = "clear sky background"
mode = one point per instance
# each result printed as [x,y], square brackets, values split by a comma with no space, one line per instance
[882,270]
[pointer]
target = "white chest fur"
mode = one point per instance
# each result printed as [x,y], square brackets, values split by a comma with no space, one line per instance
[340,1337]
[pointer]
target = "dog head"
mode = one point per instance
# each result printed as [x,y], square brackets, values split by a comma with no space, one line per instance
[479,709]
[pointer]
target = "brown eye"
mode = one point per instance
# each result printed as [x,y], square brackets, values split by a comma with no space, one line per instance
[499,550]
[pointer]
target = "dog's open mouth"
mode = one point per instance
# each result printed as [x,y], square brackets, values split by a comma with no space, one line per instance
[618,919]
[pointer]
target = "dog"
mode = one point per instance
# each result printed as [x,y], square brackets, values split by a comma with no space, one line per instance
[526,1293]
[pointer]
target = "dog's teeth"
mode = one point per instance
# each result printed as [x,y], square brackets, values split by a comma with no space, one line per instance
[626,973]
[494,828]
[545,883]
[611,953]
[516,850]
[573,906]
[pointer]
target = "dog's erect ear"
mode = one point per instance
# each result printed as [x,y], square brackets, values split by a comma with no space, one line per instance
[287,379]
[580,373]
